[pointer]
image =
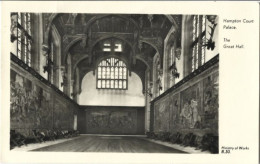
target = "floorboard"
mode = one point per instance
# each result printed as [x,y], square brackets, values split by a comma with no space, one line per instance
[126,144]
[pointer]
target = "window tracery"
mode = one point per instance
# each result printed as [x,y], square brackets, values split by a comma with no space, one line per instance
[112,74]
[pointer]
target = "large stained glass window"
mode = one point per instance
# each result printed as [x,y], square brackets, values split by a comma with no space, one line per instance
[112,74]
[199,39]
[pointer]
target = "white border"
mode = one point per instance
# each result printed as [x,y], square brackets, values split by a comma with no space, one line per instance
[239,81]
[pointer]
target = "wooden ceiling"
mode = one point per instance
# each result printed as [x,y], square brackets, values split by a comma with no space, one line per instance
[142,36]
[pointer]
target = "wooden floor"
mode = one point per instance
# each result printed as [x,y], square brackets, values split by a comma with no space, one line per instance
[127,144]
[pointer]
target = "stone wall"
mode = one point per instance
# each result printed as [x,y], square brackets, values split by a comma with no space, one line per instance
[191,106]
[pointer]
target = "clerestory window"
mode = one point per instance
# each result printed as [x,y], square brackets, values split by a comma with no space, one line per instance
[21,35]
[112,46]
[199,39]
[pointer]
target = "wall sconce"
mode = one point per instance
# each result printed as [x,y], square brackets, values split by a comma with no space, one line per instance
[45,48]
[174,70]
[48,66]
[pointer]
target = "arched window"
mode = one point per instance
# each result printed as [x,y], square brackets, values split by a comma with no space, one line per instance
[199,39]
[21,36]
[112,74]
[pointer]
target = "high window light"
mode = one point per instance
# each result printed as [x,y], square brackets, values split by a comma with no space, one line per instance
[112,46]
[199,39]
[21,35]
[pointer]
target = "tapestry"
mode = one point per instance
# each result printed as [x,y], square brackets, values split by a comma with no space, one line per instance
[193,108]
[43,109]
[111,121]
[162,115]
[31,107]
[190,107]
[22,102]
[211,105]
[174,112]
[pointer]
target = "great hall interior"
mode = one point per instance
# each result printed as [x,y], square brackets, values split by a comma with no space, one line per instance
[114,83]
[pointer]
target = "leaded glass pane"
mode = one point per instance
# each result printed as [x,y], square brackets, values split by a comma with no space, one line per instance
[116,84]
[198,26]
[120,73]
[198,50]
[103,72]
[193,58]
[118,47]
[29,24]
[112,73]
[194,28]
[19,49]
[197,56]
[29,45]
[103,83]
[112,83]
[120,84]
[25,50]
[203,50]
[112,61]
[116,73]
[99,72]
[108,73]
[116,62]
[29,58]
[107,84]
[124,73]
[124,84]
[19,18]
[99,84]
[24,21]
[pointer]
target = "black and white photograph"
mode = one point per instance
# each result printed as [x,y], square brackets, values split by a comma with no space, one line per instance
[137,83]
[129,82]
